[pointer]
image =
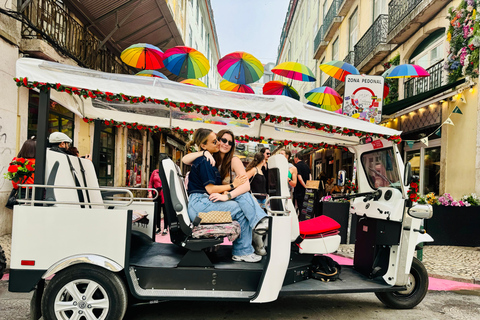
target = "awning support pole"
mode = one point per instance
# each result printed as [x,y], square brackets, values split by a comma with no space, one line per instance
[96,144]
[41,148]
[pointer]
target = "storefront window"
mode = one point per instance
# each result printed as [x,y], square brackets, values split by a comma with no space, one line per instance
[59,119]
[107,157]
[425,164]
[134,159]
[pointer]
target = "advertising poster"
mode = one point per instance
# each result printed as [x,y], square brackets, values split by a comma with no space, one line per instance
[363,97]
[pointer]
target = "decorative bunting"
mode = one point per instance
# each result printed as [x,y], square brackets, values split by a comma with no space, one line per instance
[457,110]
[449,121]
[424,141]
[462,98]
[410,143]
[438,132]
[205,110]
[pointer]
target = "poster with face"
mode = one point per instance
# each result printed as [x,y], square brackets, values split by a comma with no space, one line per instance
[363,97]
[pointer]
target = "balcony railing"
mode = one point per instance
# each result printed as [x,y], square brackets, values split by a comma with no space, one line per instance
[331,14]
[46,19]
[329,82]
[318,39]
[375,35]
[350,58]
[398,10]
[416,86]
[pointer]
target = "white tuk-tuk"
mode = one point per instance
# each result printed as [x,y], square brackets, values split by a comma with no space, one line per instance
[100,258]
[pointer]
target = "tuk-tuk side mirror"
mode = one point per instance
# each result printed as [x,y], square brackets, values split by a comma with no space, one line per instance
[341,178]
[407,175]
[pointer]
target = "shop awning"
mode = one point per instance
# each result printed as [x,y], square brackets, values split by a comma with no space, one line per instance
[152,114]
[399,105]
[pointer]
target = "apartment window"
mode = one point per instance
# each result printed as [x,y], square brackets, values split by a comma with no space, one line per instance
[353,30]
[190,36]
[430,50]
[325,9]
[306,53]
[201,27]
[208,46]
[335,49]
[379,7]
[198,11]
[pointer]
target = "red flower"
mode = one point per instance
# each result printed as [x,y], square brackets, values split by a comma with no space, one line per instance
[214,112]
[13,168]
[107,122]
[29,167]
[413,185]
[21,160]
[413,196]
[25,81]
[58,86]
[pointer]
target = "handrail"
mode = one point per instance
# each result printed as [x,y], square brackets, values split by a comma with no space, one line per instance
[274,212]
[137,189]
[33,201]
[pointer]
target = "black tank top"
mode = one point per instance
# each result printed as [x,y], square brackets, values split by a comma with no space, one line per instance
[258,185]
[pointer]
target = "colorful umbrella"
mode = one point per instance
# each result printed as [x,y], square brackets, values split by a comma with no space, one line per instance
[408,71]
[310,103]
[194,82]
[152,73]
[328,98]
[186,62]
[229,86]
[294,70]
[386,73]
[280,88]
[143,56]
[240,67]
[338,69]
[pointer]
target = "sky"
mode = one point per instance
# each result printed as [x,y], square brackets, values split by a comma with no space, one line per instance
[253,26]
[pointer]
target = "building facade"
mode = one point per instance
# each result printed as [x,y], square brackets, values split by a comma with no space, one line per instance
[92,34]
[372,36]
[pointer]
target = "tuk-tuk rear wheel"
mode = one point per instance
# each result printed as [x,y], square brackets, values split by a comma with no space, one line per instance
[417,287]
[86,292]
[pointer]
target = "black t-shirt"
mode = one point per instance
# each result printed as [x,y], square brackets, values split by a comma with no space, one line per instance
[304,171]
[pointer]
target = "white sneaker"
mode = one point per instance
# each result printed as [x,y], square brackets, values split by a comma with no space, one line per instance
[258,245]
[248,258]
[262,226]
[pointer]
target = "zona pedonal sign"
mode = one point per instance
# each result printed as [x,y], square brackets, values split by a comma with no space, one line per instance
[363,97]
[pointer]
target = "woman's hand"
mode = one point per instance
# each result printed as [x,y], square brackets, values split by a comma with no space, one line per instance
[149,194]
[239,180]
[209,157]
[218,197]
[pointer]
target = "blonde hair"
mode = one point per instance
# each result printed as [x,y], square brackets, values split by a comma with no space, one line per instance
[200,136]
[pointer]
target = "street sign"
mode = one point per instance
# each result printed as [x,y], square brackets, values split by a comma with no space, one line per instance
[363,97]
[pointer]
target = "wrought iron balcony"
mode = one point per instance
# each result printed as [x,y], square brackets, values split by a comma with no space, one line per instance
[398,10]
[375,35]
[330,19]
[416,86]
[319,45]
[350,58]
[329,82]
[46,19]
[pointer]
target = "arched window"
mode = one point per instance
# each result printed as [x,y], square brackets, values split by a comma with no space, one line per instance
[430,50]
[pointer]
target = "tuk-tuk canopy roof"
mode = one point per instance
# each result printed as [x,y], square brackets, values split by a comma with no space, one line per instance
[155,103]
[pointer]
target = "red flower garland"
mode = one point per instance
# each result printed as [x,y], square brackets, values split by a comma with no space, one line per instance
[413,192]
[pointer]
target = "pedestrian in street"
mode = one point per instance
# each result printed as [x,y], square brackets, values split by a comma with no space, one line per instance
[304,175]
[156,183]
[59,142]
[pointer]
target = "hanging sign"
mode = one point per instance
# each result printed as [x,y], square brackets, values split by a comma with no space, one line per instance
[363,97]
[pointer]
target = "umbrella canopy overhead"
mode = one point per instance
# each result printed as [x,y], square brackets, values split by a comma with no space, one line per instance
[152,73]
[326,97]
[143,56]
[240,67]
[408,71]
[295,71]
[229,86]
[338,69]
[386,73]
[155,114]
[194,82]
[280,88]
[186,62]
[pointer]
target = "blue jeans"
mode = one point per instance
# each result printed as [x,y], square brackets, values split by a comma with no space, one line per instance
[248,219]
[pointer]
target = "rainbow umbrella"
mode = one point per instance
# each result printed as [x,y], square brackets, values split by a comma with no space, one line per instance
[339,111]
[408,71]
[194,82]
[152,73]
[143,56]
[230,86]
[240,67]
[328,98]
[186,62]
[280,88]
[338,69]
[294,70]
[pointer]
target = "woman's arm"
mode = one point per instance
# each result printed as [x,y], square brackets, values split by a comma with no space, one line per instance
[239,181]
[251,173]
[293,181]
[189,158]
[239,169]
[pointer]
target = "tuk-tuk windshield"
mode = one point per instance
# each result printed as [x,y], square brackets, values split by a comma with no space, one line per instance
[381,168]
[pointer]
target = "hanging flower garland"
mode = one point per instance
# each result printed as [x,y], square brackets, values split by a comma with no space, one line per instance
[463,36]
[205,110]
[413,192]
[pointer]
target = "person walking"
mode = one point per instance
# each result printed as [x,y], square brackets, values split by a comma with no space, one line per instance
[156,183]
[303,176]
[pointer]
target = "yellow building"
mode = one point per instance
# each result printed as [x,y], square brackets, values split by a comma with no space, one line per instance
[372,35]
[92,34]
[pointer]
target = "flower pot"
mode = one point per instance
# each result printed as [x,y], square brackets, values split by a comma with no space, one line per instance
[454,226]
[339,212]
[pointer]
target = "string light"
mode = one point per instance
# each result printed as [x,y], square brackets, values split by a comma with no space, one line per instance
[471,89]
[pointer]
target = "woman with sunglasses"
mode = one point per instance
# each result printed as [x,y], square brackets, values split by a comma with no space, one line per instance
[230,167]
[207,193]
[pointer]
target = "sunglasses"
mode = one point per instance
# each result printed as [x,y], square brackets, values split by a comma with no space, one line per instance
[267,154]
[230,143]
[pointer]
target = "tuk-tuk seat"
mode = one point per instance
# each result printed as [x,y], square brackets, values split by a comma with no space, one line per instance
[319,226]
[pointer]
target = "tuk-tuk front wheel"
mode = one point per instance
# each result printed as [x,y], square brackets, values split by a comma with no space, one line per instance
[85,292]
[416,289]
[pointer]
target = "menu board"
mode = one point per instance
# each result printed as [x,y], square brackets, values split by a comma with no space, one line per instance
[311,206]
